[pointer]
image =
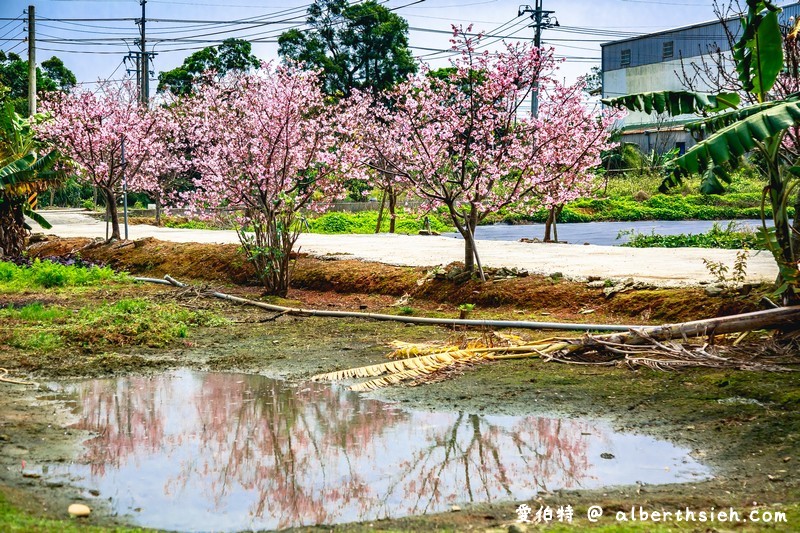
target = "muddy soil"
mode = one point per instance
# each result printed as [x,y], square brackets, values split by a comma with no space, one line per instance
[746,426]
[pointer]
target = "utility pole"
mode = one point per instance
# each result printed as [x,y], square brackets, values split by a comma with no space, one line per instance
[31,60]
[135,58]
[144,59]
[124,188]
[541,21]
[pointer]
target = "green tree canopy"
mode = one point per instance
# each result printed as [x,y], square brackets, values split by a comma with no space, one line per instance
[231,55]
[52,76]
[362,46]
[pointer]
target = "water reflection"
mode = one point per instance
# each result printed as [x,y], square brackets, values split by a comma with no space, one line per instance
[198,452]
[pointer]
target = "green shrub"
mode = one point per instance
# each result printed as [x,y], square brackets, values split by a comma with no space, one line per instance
[364,222]
[47,274]
[728,237]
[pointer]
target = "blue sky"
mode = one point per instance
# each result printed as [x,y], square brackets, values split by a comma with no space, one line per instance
[584,24]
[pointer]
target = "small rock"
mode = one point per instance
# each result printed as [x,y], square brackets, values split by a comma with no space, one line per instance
[594,278]
[94,492]
[32,475]
[597,284]
[79,509]
[556,275]
[455,508]
[4,438]
[517,528]
[713,290]
[606,455]
[787,459]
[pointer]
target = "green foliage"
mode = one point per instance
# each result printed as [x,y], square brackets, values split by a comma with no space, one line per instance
[52,76]
[360,45]
[186,224]
[134,321]
[729,237]
[675,102]
[88,205]
[734,141]
[231,55]
[626,201]
[365,222]
[46,274]
[727,277]
[759,52]
[406,310]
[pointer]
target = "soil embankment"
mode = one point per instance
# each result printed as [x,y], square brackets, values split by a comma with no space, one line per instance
[507,289]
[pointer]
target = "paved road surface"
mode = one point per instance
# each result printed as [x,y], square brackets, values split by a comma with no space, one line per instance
[676,266]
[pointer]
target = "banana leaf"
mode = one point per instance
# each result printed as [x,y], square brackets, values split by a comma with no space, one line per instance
[733,141]
[714,123]
[759,52]
[675,102]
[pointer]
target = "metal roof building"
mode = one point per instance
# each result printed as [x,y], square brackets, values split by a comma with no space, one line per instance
[656,62]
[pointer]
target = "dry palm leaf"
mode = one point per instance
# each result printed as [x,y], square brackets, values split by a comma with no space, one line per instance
[652,347]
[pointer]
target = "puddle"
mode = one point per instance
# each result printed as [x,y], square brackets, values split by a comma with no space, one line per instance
[226,452]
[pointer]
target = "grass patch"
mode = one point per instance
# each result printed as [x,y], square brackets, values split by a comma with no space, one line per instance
[729,237]
[127,322]
[47,274]
[634,197]
[14,519]
[365,222]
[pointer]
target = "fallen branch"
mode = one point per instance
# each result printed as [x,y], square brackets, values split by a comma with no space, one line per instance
[4,379]
[293,311]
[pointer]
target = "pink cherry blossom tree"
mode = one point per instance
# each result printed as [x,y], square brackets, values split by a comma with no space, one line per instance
[267,145]
[462,140]
[91,127]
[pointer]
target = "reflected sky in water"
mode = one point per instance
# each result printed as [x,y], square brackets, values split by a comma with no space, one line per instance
[225,452]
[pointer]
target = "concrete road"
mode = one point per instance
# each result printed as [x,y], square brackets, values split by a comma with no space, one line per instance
[661,266]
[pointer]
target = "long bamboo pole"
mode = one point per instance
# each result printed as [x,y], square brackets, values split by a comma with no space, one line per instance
[770,318]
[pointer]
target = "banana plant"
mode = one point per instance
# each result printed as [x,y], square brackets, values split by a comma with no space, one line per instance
[727,132]
[24,169]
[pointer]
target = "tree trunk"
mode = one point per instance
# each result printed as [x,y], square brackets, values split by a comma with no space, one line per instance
[380,213]
[469,250]
[158,209]
[111,206]
[796,228]
[550,224]
[12,228]
[392,207]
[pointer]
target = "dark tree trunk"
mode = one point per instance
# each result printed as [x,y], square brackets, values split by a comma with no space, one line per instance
[392,194]
[550,231]
[469,250]
[111,206]
[380,213]
[158,209]
[796,229]
[12,228]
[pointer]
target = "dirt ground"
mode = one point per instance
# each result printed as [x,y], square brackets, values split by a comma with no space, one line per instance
[751,439]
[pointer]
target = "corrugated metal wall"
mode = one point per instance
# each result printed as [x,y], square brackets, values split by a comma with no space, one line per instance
[690,41]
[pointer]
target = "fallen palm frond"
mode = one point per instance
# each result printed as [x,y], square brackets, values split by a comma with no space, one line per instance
[652,347]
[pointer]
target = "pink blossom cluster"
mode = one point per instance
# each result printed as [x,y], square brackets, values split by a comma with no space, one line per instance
[468,142]
[90,127]
[266,141]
